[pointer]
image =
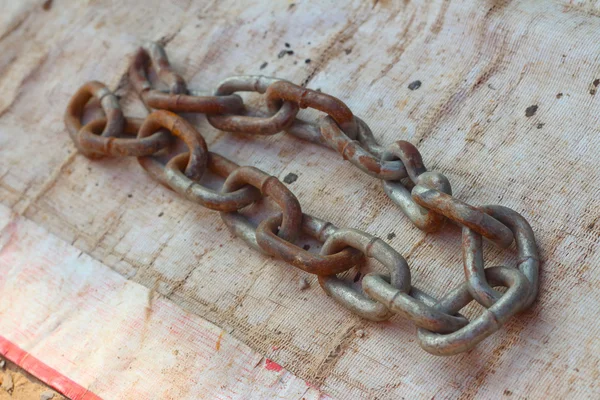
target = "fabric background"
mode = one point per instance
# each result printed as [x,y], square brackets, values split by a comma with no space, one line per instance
[481,64]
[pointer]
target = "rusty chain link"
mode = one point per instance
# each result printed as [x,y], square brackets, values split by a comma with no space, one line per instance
[429,204]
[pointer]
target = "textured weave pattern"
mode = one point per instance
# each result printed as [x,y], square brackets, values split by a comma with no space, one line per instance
[507,109]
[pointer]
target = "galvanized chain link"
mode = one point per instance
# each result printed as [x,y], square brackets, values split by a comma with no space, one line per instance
[429,204]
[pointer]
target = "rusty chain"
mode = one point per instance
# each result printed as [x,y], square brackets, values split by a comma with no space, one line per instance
[429,204]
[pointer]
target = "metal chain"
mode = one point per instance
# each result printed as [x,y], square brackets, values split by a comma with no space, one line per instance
[442,330]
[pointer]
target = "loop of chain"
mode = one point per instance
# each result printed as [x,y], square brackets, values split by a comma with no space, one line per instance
[411,307]
[90,139]
[318,264]
[157,55]
[428,205]
[211,199]
[352,151]
[109,103]
[177,100]
[185,131]
[249,121]
[528,259]
[283,104]
[269,186]
[305,98]
[464,214]
[372,247]
[426,220]
[487,323]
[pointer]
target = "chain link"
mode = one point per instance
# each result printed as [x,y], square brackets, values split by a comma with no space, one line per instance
[115,121]
[528,259]
[176,100]
[268,185]
[429,204]
[373,247]
[487,323]
[424,219]
[305,98]
[214,200]
[279,117]
[319,264]
[90,137]
[360,157]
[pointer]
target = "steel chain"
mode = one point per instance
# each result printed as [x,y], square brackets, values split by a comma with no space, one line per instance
[372,247]
[279,117]
[177,100]
[114,123]
[442,330]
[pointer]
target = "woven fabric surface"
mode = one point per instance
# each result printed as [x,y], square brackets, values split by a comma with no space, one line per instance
[506,108]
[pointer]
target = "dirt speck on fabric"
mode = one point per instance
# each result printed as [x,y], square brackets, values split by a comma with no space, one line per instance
[414,85]
[594,86]
[531,110]
[284,52]
[390,236]
[290,178]
[264,65]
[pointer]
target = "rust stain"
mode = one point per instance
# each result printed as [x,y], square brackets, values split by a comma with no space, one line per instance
[218,345]
[287,151]
[398,51]
[475,132]
[14,27]
[510,340]
[370,163]
[439,21]
[150,299]
[100,24]
[401,104]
